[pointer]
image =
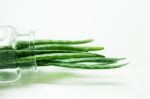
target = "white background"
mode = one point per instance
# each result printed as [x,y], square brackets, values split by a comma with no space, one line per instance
[122,26]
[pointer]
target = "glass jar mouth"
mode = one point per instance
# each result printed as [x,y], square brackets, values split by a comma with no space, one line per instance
[10,64]
[25,43]
[13,40]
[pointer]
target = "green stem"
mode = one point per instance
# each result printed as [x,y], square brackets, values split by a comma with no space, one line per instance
[89,59]
[61,56]
[84,66]
[22,44]
[67,47]
[24,53]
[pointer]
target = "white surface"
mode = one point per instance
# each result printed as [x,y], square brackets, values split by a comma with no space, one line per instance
[122,26]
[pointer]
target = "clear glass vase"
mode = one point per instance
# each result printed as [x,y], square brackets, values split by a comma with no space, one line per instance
[11,65]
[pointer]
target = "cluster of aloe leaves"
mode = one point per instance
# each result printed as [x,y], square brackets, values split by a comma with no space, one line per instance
[62,53]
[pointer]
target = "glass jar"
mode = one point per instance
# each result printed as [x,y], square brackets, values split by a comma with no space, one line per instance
[10,46]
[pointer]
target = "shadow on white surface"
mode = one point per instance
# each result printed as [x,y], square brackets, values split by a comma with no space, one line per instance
[64,78]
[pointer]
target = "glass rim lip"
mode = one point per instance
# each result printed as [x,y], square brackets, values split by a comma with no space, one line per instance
[12,33]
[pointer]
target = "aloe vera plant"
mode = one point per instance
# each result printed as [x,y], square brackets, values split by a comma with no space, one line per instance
[62,53]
